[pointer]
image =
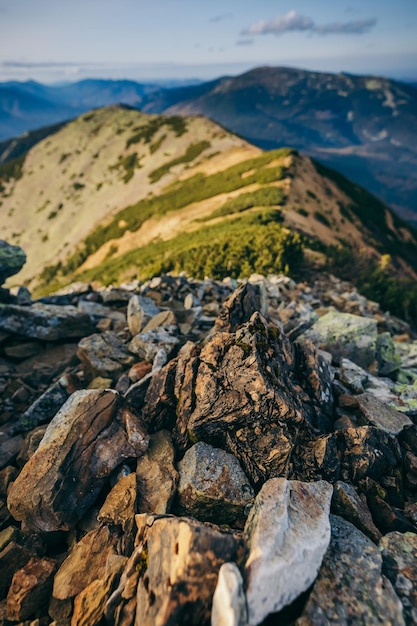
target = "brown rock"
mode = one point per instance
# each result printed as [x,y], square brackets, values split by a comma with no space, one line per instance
[119,507]
[179,569]
[242,394]
[139,370]
[89,605]
[369,452]
[87,439]
[156,475]
[30,588]
[12,558]
[121,606]
[85,563]
[7,476]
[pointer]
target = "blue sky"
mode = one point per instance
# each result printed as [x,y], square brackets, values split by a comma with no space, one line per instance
[60,40]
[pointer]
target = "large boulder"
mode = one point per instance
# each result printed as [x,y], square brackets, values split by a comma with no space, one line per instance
[12,259]
[86,440]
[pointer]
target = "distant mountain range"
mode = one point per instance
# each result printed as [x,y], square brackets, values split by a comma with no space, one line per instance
[363,126]
[25,106]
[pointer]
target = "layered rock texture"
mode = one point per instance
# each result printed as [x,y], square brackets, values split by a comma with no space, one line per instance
[207,452]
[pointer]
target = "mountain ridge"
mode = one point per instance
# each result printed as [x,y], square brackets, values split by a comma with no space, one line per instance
[363,126]
[118,194]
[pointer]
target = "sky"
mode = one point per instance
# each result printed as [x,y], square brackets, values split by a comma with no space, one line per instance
[60,40]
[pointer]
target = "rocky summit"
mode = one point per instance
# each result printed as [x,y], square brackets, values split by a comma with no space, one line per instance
[193,452]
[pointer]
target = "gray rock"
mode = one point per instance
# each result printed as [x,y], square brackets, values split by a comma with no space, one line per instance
[346,336]
[104,355]
[376,413]
[147,344]
[139,311]
[46,406]
[350,588]
[12,259]
[347,504]
[387,358]
[353,376]
[399,557]
[212,485]
[48,322]
[229,601]
[97,311]
[287,534]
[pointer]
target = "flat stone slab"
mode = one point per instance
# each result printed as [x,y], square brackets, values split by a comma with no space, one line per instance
[48,322]
[346,335]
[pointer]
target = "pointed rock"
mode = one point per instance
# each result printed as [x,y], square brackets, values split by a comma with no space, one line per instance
[287,534]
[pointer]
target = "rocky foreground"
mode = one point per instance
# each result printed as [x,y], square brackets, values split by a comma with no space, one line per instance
[185,452]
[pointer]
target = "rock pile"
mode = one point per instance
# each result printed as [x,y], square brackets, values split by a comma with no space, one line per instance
[186,452]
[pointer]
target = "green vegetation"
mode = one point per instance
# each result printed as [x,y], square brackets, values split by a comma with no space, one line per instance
[128,164]
[64,156]
[77,186]
[322,218]
[302,211]
[263,197]
[157,144]
[377,281]
[311,194]
[11,170]
[193,151]
[373,215]
[250,243]
[178,196]
[147,131]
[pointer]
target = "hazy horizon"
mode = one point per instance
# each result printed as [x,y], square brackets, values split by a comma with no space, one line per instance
[51,41]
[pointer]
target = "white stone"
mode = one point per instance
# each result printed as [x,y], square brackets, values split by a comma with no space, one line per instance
[287,533]
[229,602]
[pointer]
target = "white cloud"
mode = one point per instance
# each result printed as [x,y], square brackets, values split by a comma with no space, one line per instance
[294,22]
